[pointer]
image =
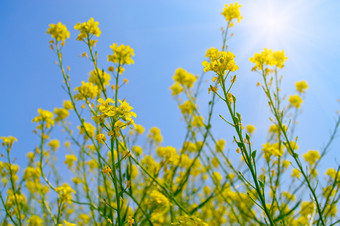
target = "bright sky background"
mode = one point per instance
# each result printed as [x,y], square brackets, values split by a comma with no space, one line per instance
[166,35]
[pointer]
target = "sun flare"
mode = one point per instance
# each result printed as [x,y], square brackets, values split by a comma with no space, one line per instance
[271,22]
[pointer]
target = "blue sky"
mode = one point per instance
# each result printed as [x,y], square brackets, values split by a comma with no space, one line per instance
[166,35]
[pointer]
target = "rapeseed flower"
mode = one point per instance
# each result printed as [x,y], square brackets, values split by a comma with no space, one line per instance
[45,118]
[232,11]
[301,86]
[295,100]
[59,32]
[121,54]
[65,193]
[311,156]
[183,78]
[220,62]
[87,29]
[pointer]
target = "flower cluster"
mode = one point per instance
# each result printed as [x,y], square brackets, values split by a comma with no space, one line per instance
[159,199]
[268,57]
[100,77]
[184,78]
[45,118]
[8,141]
[86,91]
[295,100]
[65,193]
[232,11]
[88,128]
[311,156]
[301,86]
[60,114]
[121,112]
[59,32]
[155,135]
[271,149]
[87,29]
[220,61]
[121,54]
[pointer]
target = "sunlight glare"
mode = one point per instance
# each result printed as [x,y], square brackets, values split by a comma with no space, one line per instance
[271,21]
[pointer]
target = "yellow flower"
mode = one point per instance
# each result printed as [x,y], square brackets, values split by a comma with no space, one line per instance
[276,129]
[54,144]
[105,105]
[329,191]
[220,145]
[187,107]
[134,171]
[307,208]
[87,29]
[30,156]
[88,127]
[296,173]
[311,156]
[331,173]
[185,161]
[35,221]
[271,149]
[189,146]
[130,220]
[150,163]
[250,128]
[301,86]
[106,170]
[59,32]
[124,111]
[61,114]
[295,100]
[285,163]
[183,78]
[197,121]
[45,118]
[231,12]
[331,209]
[13,199]
[215,162]
[70,159]
[121,54]
[103,78]
[268,58]
[216,177]
[67,104]
[220,62]
[206,190]
[159,199]
[31,173]
[176,89]
[8,141]
[155,135]
[139,129]
[86,91]
[138,150]
[76,180]
[101,138]
[85,219]
[65,193]
[278,59]
[92,164]
[293,145]
[288,196]
[169,154]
